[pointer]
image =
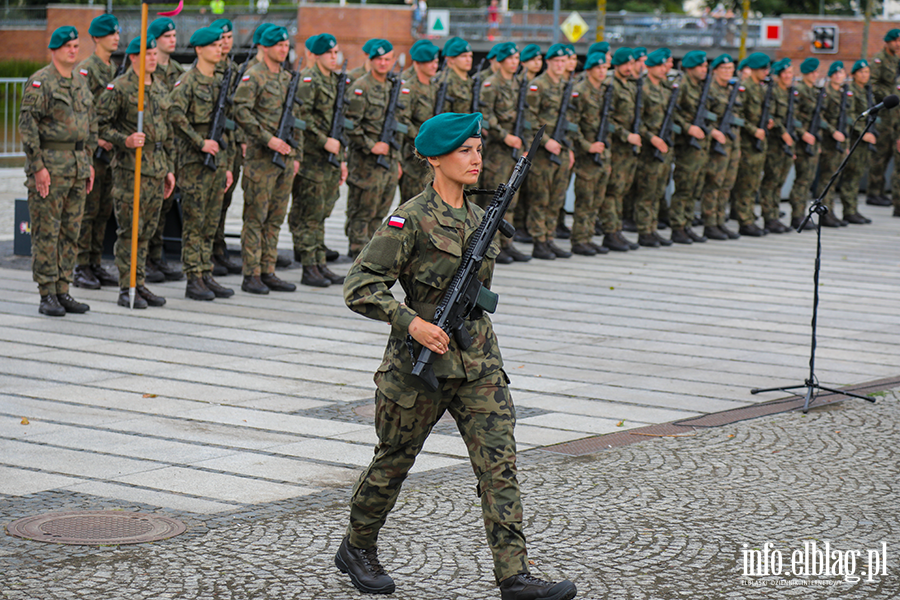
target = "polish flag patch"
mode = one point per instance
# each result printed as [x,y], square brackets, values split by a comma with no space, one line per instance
[307,79]
[358,92]
[849,93]
[533,88]
[36,84]
[348,80]
[487,84]
[110,86]
[404,91]
[574,94]
[796,93]
[397,222]
[245,78]
[83,72]
[878,60]
[177,83]
[742,89]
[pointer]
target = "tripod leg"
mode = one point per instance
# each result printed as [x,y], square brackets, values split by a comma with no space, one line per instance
[809,393]
[845,393]
[777,389]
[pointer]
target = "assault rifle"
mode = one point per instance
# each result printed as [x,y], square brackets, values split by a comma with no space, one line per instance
[764,115]
[287,124]
[603,130]
[665,132]
[441,97]
[338,122]
[702,113]
[816,122]
[476,88]
[520,123]
[220,122]
[728,119]
[563,125]
[466,294]
[842,115]
[638,107]
[789,121]
[101,154]
[391,124]
[870,100]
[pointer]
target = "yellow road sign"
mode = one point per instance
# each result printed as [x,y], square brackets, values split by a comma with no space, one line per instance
[574,27]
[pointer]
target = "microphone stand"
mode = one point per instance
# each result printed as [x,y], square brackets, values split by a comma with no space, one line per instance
[812,383]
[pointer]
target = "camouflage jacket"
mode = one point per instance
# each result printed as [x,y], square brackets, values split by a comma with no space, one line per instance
[804,107]
[718,103]
[239,136]
[884,74]
[420,104]
[258,104]
[857,104]
[169,74]
[58,110]
[831,113]
[318,92]
[544,100]
[354,74]
[587,109]
[653,110]
[459,93]
[421,246]
[778,111]
[753,97]
[686,108]
[97,73]
[192,103]
[499,97]
[622,113]
[367,101]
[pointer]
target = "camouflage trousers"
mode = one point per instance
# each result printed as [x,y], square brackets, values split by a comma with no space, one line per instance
[775,172]
[895,180]
[157,247]
[543,184]
[55,225]
[884,149]
[625,161]
[98,208]
[721,173]
[650,180]
[829,160]
[746,185]
[150,205]
[219,246]
[315,190]
[591,201]
[804,174]
[848,186]
[267,189]
[202,190]
[416,175]
[369,199]
[498,166]
[485,416]
[689,168]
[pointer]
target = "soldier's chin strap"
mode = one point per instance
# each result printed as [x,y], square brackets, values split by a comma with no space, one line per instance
[478,192]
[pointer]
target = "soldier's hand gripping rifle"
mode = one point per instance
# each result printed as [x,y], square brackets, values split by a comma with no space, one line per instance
[816,122]
[603,130]
[338,121]
[842,115]
[391,125]
[870,100]
[101,153]
[789,125]
[288,123]
[220,122]
[638,107]
[520,123]
[700,119]
[665,132]
[764,115]
[466,292]
[476,88]
[441,98]
[728,119]
[563,125]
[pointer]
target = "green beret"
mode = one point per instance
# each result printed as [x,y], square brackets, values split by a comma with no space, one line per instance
[380,48]
[666,52]
[555,51]
[492,53]
[135,46]
[570,49]
[692,59]
[103,26]
[367,47]
[205,36]
[504,50]
[224,24]
[779,67]
[273,35]
[722,59]
[859,65]
[594,59]
[809,65]
[656,58]
[160,26]
[835,67]
[423,51]
[321,43]
[529,52]
[622,56]
[310,41]
[62,36]
[599,47]
[757,60]
[639,52]
[456,46]
[260,31]
[446,132]
[892,35]
[742,65]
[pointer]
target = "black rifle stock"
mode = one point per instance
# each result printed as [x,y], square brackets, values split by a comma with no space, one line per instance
[220,121]
[665,131]
[638,107]
[338,122]
[391,125]
[288,123]
[520,123]
[563,125]
[816,122]
[842,115]
[727,121]
[789,127]
[603,130]
[100,153]
[476,88]
[466,292]
[700,117]
[764,115]
[870,101]
[441,98]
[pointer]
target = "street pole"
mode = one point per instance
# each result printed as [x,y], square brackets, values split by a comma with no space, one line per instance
[865,40]
[745,11]
[601,20]
[555,21]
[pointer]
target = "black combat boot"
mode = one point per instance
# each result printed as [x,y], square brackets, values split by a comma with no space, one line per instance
[331,255]
[330,275]
[795,223]
[104,276]
[151,298]
[83,277]
[282,262]
[878,200]
[775,226]
[712,232]
[829,220]
[631,245]
[857,219]
[732,235]
[612,241]
[514,253]
[72,305]
[562,232]
[648,240]
[271,281]
[152,274]
[527,587]
[583,249]
[51,307]
[503,258]
[362,565]
[559,252]
[224,260]
[694,235]
[522,235]
[662,241]
[313,277]
[139,302]
[254,285]
[218,269]
[196,289]
[752,230]
[680,236]
[542,251]
[629,226]
[219,290]
[170,272]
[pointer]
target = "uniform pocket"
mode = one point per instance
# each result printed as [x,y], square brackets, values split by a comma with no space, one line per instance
[443,254]
[397,388]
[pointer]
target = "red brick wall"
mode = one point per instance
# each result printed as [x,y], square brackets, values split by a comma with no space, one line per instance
[31,44]
[25,44]
[796,39]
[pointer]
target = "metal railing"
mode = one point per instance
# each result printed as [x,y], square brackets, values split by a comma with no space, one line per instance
[11,98]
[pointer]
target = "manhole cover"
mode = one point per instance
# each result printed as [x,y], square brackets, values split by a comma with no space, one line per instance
[90,528]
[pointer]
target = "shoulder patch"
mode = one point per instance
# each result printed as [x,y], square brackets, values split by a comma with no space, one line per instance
[796,92]
[358,92]
[878,60]
[348,80]
[110,86]
[245,78]
[487,84]
[36,84]
[397,222]
[742,89]
[533,88]
[83,72]
[849,93]
[177,83]
[574,94]
[404,90]
[307,79]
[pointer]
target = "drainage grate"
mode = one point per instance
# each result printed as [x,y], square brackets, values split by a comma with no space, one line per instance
[96,528]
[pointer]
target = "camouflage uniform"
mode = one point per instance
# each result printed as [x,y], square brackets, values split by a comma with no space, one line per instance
[356,73]
[192,104]
[98,205]
[459,93]
[831,157]
[59,132]
[169,74]
[856,166]
[545,177]
[691,162]
[315,188]
[883,78]
[778,162]
[721,169]
[743,193]
[622,153]
[805,164]
[590,178]
[416,172]
[118,119]
[220,248]
[258,104]
[372,187]
[651,175]
[423,254]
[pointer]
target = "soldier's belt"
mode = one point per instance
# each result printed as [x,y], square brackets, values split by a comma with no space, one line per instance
[72,146]
[426,310]
[154,146]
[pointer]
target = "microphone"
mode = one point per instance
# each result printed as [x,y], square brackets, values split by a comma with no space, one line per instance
[889,102]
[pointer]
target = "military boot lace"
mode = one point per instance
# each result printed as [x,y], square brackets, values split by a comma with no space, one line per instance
[370,557]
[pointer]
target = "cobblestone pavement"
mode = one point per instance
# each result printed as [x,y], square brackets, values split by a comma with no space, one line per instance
[662,519]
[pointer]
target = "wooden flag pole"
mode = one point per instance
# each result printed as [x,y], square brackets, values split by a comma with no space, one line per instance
[136,215]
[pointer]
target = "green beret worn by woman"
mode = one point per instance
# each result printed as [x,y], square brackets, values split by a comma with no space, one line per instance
[421,245]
